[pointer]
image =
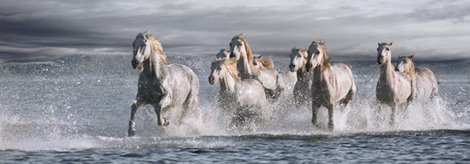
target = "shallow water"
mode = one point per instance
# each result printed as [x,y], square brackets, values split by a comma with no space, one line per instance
[76,109]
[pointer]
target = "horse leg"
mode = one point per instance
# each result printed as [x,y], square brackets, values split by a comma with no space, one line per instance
[330,116]
[164,104]
[160,120]
[134,107]
[190,104]
[392,114]
[315,108]
[345,101]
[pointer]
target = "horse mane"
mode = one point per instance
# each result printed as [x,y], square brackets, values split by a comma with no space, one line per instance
[156,47]
[411,70]
[298,49]
[249,53]
[267,62]
[231,65]
[326,58]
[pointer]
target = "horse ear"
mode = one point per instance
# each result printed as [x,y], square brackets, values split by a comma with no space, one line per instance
[293,49]
[411,57]
[378,43]
[391,43]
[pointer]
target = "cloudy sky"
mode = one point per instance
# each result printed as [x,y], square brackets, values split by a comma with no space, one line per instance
[430,29]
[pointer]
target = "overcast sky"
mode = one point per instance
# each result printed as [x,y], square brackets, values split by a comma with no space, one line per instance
[430,29]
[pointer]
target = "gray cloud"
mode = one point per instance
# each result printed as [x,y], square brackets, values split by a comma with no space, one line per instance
[456,11]
[49,28]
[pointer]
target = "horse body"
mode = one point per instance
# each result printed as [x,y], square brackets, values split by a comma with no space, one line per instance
[246,96]
[331,84]
[302,88]
[163,86]
[269,77]
[424,83]
[393,88]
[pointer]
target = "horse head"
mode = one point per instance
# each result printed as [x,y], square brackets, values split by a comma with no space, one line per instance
[317,55]
[384,52]
[223,54]
[405,64]
[239,45]
[141,50]
[222,68]
[216,69]
[298,59]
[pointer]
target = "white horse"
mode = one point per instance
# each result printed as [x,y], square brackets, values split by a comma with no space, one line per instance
[240,49]
[302,88]
[246,96]
[164,86]
[393,88]
[332,84]
[223,54]
[423,81]
[265,67]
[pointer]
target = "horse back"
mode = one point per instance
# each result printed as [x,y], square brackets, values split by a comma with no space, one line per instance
[426,83]
[250,92]
[182,80]
[344,79]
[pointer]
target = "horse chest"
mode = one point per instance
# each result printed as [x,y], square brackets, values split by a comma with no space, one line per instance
[149,89]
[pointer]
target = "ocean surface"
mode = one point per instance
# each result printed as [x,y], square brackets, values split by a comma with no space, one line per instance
[77,108]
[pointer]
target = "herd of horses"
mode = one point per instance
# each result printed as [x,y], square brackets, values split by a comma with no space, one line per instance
[248,82]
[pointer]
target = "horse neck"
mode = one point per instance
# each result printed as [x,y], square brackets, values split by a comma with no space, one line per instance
[159,67]
[387,70]
[246,69]
[302,74]
[227,83]
[320,70]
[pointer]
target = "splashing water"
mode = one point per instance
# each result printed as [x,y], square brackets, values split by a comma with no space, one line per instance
[82,102]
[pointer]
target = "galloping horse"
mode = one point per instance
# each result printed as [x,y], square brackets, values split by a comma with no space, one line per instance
[265,67]
[393,88]
[423,81]
[246,96]
[240,49]
[302,88]
[331,84]
[164,86]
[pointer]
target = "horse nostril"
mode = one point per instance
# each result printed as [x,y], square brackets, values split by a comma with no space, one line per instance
[308,66]
[134,63]
[211,80]
[291,66]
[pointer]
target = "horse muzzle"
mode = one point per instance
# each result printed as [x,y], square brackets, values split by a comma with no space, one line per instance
[292,67]
[136,64]
[308,66]
[211,80]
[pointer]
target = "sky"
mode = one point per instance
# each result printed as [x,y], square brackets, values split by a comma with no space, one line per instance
[429,29]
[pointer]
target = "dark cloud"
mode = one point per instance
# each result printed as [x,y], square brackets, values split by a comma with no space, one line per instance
[49,28]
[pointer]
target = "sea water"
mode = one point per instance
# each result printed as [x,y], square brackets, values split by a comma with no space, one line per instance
[77,108]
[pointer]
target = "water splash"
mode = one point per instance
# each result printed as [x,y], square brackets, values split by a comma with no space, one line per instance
[76,103]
